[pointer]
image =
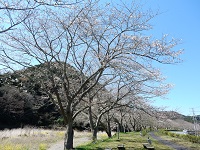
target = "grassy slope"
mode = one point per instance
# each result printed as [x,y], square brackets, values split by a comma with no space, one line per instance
[132,140]
[186,143]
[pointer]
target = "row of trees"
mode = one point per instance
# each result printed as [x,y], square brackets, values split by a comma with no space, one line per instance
[104,43]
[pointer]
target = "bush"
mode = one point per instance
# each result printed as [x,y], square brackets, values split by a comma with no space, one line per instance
[43,146]
[163,132]
[145,131]
[172,134]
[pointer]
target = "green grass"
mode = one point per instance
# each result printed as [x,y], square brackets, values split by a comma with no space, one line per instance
[180,140]
[10,146]
[131,140]
[42,146]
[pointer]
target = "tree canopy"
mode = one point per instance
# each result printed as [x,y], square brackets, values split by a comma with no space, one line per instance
[106,43]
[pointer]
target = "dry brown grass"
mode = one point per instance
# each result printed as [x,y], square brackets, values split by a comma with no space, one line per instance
[37,139]
[29,138]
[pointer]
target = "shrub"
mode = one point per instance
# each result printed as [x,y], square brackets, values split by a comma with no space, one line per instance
[163,132]
[145,131]
[43,146]
[171,134]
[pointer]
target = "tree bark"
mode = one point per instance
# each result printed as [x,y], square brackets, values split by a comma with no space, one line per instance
[121,128]
[108,131]
[94,133]
[90,117]
[96,127]
[69,136]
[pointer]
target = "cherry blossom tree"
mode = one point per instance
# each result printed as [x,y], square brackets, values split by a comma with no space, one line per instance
[14,12]
[94,40]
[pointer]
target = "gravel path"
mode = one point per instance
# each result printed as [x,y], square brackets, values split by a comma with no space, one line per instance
[77,141]
[168,143]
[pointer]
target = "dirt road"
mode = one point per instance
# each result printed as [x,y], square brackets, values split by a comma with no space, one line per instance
[77,141]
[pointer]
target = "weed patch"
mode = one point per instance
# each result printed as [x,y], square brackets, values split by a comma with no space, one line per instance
[9,146]
[43,146]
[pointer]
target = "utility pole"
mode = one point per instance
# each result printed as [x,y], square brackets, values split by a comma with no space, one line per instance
[195,122]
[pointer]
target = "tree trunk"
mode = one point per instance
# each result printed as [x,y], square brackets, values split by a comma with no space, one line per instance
[96,128]
[121,127]
[91,119]
[94,133]
[132,123]
[108,131]
[69,134]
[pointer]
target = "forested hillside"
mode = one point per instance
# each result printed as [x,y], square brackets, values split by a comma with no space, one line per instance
[23,101]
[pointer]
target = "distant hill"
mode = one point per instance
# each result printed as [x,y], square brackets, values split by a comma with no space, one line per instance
[23,100]
[179,121]
[175,115]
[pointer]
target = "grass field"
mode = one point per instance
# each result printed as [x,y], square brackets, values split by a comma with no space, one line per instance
[29,139]
[132,140]
[41,139]
[37,139]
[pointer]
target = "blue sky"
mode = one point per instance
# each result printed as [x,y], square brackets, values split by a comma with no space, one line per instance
[180,19]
